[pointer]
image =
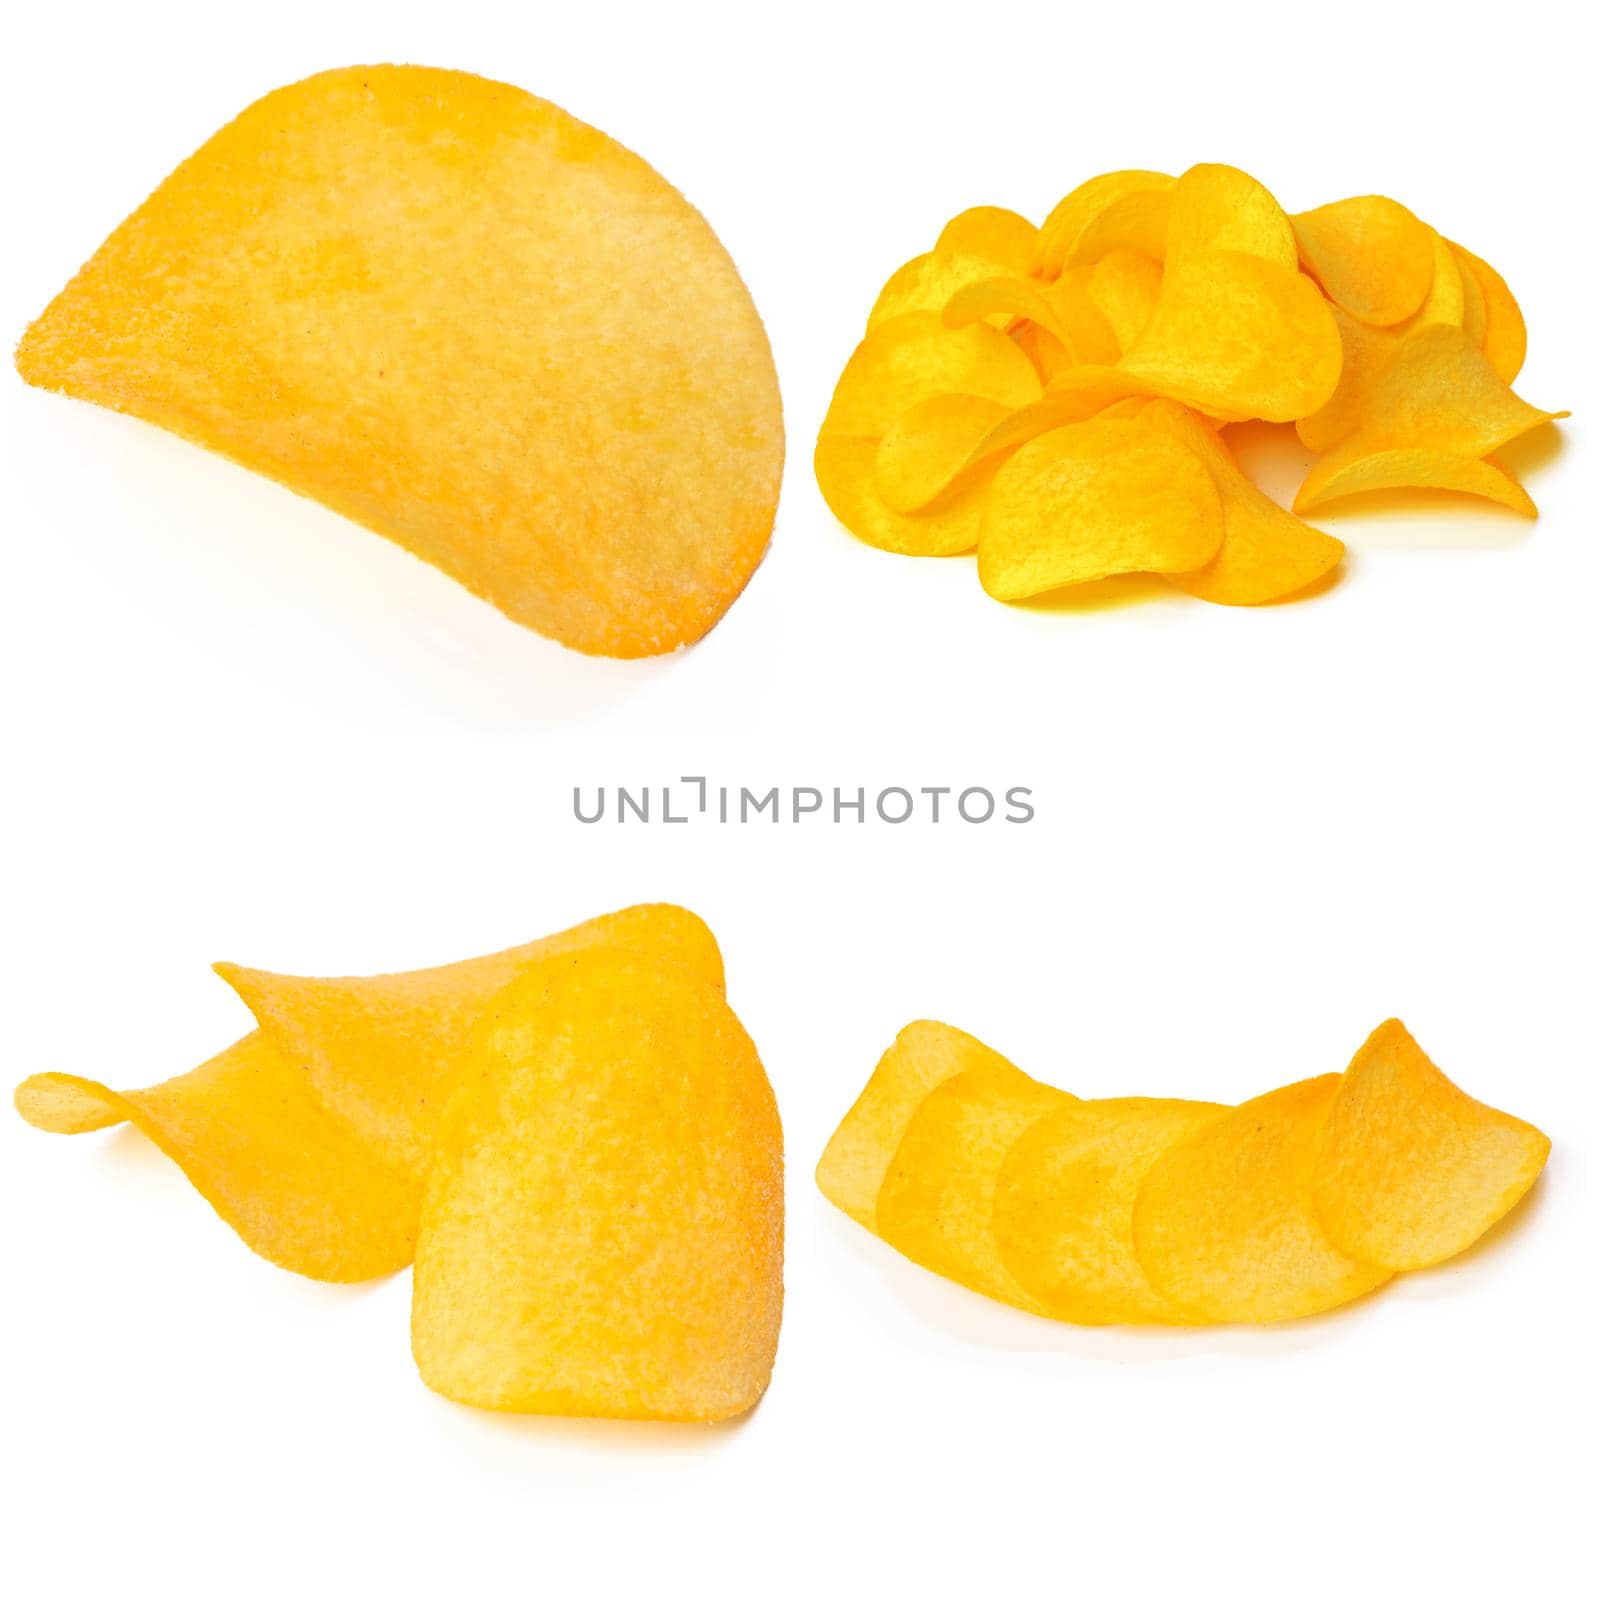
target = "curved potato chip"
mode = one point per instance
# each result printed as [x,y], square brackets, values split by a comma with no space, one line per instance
[465,320]
[602,1229]
[1411,1170]
[937,1202]
[1413,469]
[1061,230]
[1124,287]
[292,1181]
[1241,336]
[1047,353]
[923,1055]
[1216,207]
[926,282]
[1446,300]
[927,447]
[846,471]
[383,1053]
[1063,1206]
[1505,334]
[1267,553]
[1370,254]
[992,233]
[1136,221]
[1004,297]
[1110,495]
[1223,1224]
[1474,308]
[915,357]
[1090,334]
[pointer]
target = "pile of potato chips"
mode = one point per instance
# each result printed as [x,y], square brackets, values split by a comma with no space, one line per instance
[574,1140]
[1173,1211]
[1055,397]
[459,316]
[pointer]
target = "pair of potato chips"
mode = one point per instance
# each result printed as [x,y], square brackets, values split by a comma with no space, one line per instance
[1131,1210]
[1057,398]
[573,1139]
[460,317]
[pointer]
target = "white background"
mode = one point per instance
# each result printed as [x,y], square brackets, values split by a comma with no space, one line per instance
[238,727]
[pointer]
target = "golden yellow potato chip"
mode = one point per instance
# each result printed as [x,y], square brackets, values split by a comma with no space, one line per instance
[1239,336]
[1216,207]
[1005,298]
[1366,351]
[937,1201]
[602,1228]
[1266,553]
[1091,334]
[923,1055]
[993,233]
[1410,1169]
[915,357]
[1436,396]
[1063,1206]
[465,320]
[1417,469]
[1061,230]
[1123,287]
[1136,221]
[928,445]
[1446,300]
[383,1053]
[294,1182]
[1505,335]
[1223,1224]
[1113,494]
[1474,308]
[846,472]
[1047,353]
[1370,254]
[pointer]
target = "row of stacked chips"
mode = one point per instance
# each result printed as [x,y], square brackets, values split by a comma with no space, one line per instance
[1173,1211]
[1054,397]
[574,1140]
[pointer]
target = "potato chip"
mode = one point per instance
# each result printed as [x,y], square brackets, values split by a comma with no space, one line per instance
[1410,1169]
[1047,353]
[1505,335]
[1063,1206]
[296,1184]
[1436,396]
[937,1201]
[1223,1224]
[1241,336]
[383,1053]
[928,446]
[994,234]
[1417,469]
[1474,308]
[1266,553]
[1370,254]
[846,472]
[1004,298]
[1366,352]
[1217,207]
[1136,221]
[915,358]
[602,1229]
[1446,299]
[1091,335]
[1123,287]
[923,1055]
[1110,495]
[460,317]
[1061,230]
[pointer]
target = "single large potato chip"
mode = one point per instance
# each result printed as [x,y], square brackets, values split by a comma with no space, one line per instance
[1370,254]
[1063,1206]
[1239,336]
[1224,1224]
[1216,207]
[1266,553]
[602,1230]
[1410,1169]
[1136,221]
[1110,495]
[1416,469]
[923,1055]
[937,1201]
[384,1053]
[292,1180]
[460,317]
